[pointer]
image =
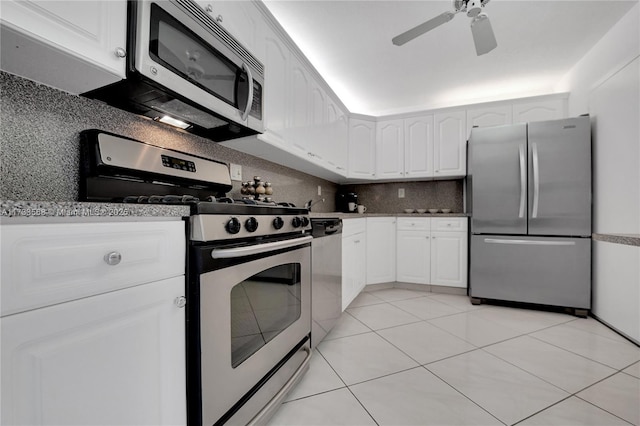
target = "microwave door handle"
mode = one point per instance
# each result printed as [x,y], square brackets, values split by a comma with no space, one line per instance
[247,109]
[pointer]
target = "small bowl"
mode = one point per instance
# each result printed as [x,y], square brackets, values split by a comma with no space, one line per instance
[408,210]
[421,211]
[446,210]
[433,211]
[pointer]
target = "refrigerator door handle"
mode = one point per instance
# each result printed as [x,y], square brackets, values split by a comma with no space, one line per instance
[536,181]
[529,242]
[523,181]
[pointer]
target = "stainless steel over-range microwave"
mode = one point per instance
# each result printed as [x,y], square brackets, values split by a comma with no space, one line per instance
[184,69]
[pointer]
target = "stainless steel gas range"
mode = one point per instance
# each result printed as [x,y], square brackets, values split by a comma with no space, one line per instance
[248,278]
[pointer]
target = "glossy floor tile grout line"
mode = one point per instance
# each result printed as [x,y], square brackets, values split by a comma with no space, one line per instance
[513,377]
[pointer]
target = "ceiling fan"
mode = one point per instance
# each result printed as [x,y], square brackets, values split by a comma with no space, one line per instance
[481,30]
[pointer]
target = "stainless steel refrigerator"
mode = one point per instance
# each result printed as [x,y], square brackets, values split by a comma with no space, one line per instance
[529,194]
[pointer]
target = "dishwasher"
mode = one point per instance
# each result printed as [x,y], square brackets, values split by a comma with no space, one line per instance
[326,276]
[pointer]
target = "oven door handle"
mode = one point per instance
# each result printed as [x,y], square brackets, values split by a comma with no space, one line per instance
[258,249]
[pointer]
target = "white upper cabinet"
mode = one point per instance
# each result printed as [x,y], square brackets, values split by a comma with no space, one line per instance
[83,41]
[318,133]
[334,146]
[275,87]
[241,19]
[418,147]
[318,106]
[489,116]
[539,110]
[450,138]
[362,141]
[390,149]
[299,103]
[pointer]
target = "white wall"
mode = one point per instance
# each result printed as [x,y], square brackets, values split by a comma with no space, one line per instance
[606,85]
[614,51]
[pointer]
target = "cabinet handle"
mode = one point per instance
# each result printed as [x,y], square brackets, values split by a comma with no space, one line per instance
[120,52]
[209,8]
[180,301]
[219,19]
[357,241]
[112,258]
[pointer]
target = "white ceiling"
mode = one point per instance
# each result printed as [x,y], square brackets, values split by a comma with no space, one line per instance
[349,43]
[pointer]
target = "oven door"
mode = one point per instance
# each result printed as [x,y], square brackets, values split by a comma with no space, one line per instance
[254,312]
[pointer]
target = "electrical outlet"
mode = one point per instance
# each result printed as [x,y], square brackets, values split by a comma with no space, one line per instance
[319,190]
[400,192]
[236,171]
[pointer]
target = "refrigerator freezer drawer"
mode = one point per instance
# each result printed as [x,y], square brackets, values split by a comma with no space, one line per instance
[548,271]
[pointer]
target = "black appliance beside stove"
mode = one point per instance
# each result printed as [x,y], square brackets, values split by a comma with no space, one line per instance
[248,275]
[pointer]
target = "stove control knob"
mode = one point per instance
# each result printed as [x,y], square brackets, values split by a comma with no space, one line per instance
[251,224]
[305,221]
[233,226]
[296,222]
[278,223]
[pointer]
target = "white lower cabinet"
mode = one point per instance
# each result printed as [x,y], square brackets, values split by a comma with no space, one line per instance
[432,251]
[449,258]
[414,254]
[114,356]
[354,259]
[616,286]
[114,359]
[381,250]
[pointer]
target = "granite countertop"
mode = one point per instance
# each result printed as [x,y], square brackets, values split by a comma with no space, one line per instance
[357,215]
[70,209]
[626,239]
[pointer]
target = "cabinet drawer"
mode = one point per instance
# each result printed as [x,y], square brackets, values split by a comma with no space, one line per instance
[449,224]
[353,226]
[409,224]
[47,264]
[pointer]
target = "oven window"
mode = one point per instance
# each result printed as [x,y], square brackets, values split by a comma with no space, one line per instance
[261,307]
[180,50]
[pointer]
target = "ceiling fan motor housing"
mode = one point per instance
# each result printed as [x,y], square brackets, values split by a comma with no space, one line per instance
[472,7]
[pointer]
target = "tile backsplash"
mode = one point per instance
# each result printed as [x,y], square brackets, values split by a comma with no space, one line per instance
[39,154]
[435,194]
[39,143]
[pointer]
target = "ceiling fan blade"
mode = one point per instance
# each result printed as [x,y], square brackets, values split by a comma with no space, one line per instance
[423,28]
[483,36]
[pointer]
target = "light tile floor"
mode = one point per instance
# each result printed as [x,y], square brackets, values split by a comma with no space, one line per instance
[401,357]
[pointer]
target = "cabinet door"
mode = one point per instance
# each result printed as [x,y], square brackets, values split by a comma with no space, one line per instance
[450,144]
[390,149]
[362,139]
[543,110]
[449,258]
[241,19]
[488,116]
[381,250]
[334,143]
[414,257]
[317,130]
[616,286]
[299,103]
[353,267]
[84,36]
[116,358]
[418,147]
[275,87]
